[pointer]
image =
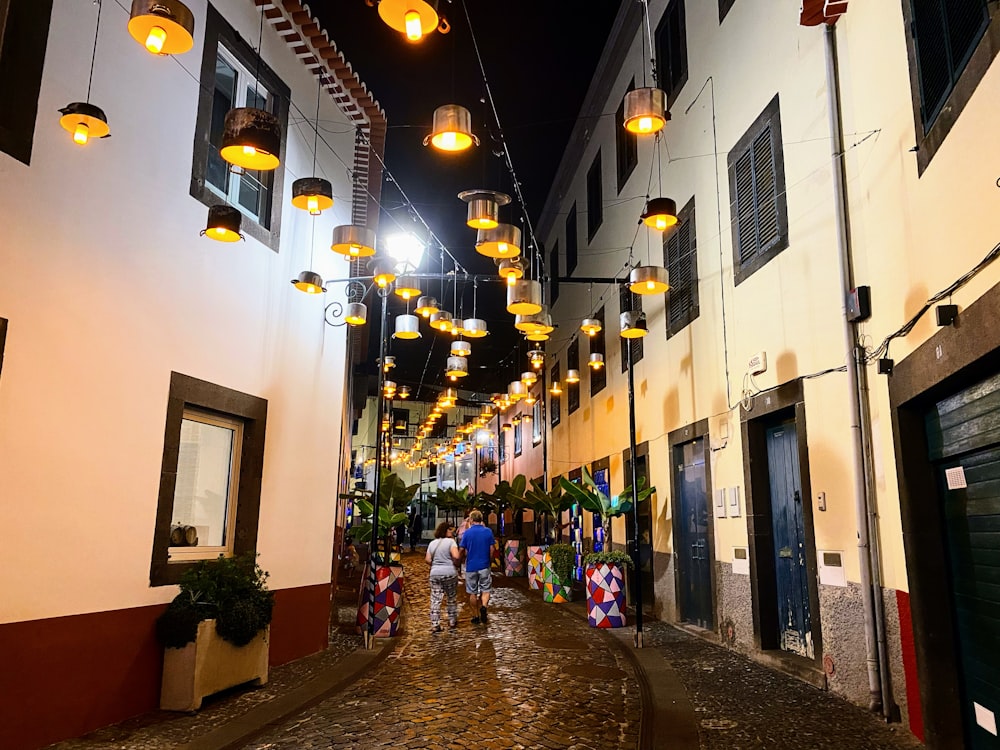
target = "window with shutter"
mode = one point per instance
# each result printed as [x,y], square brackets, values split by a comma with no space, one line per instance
[681,261]
[24,32]
[598,377]
[671,50]
[757,194]
[630,301]
[571,248]
[950,44]
[573,389]
[626,145]
[595,198]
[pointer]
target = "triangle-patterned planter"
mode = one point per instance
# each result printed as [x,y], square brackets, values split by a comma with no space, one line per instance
[605,596]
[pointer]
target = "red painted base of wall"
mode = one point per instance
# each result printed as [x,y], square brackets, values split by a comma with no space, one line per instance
[65,676]
[914,709]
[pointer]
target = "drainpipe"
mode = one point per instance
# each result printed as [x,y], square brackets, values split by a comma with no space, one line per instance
[871,593]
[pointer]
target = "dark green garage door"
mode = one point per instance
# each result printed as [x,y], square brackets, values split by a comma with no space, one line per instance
[963,433]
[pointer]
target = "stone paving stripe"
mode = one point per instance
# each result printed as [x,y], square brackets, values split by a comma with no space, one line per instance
[237,732]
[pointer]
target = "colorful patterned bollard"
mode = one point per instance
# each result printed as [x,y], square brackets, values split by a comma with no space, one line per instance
[605,596]
[513,557]
[554,590]
[536,565]
[388,601]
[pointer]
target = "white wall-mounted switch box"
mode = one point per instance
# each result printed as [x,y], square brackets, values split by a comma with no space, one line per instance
[720,503]
[757,363]
[741,561]
[734,502]
[831,567]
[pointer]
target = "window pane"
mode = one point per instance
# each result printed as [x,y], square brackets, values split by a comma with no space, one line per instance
[250,192]
[201,494]
[222,102]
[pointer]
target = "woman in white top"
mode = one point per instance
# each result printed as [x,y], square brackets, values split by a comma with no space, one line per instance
[443,555]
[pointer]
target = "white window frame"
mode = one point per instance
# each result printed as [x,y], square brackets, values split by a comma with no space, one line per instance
[204,552]
[536,423]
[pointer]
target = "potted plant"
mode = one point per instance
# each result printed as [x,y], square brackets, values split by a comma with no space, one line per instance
[605,574]
[215,631]
[381,595]
[544,504]
[557,578]
[511,495]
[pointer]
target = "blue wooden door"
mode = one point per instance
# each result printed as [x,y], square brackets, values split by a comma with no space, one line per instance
[788,530]
[694,557]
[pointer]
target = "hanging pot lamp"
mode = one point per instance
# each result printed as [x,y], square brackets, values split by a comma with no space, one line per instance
[529,378]
[163,27]
[537,337]
[407,327]
[516,390]
[353,241]
[645,111]
[413,18]
[309,282]
[660,213]
[503,241]
[648,280]
[404,391]
[524,297]
[407,287]
[461,348]
[426,306]
[442,321]
[251,138]
[596,361]
[382,273]
[83,119]
[312,194]
[530,401]
[484,207]
[451,129]
[389,387]
[223,224]
[511,269]
[448,398]
[556,389]
[474,328]
[633,324]
[591,326]
[390,362]
[356,314]
[572,376]
[456,367]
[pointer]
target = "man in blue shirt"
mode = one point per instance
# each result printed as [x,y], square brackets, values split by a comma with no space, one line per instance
[478,543]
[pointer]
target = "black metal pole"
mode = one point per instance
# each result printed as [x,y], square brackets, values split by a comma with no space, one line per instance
[379,450]
[636,556]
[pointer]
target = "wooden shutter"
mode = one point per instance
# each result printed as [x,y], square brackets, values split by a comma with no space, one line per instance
[679,258]
[757,198]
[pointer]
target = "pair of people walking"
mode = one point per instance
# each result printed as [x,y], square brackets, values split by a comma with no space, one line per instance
[444,556]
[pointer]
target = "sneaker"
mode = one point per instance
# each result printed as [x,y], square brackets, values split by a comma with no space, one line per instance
[482,614]
[475,620]
[436,629]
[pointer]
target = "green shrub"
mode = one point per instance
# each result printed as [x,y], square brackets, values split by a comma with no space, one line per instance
[616,557]
[562,560]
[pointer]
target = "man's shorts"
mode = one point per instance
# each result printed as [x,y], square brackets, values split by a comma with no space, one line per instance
[478,581]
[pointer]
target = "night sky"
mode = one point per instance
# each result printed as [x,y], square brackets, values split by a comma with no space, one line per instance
[538,63]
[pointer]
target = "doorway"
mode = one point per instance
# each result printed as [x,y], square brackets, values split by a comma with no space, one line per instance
[642,578]
[693,534]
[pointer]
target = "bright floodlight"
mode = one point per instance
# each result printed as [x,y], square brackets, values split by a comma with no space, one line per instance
[405,249]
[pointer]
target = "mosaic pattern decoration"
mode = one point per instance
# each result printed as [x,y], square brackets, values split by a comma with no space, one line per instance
[536,564]
[513,553]
[605,596]
[554,590]
[388,601]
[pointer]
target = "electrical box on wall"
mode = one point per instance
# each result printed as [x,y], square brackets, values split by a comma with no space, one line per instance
[757,363]
[859,304]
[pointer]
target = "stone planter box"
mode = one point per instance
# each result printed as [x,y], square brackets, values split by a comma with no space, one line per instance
[209,665]
[536,564]
[553,589]
[513,558]
[388,600]
[605,596]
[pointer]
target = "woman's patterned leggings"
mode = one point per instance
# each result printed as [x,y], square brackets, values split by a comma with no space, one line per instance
[441,586]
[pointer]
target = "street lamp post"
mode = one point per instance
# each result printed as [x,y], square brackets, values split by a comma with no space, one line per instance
[635,506]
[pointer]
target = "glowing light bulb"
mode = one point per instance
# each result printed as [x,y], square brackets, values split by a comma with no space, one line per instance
[412,21]
[354,250]
[426,314]
[502,247]
[249,150]
[81,134]
[452,378]
[405,294]
[155,40]
[651,285]
[645,124]
[448,141]
[511,278]
[381,282]
[661,222]
[220,230]
[312,205]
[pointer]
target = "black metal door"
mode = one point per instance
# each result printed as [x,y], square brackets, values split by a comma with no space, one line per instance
[694,555]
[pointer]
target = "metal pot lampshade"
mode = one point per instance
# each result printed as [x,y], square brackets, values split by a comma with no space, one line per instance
[645,111]
[529,378]
[516,390]
[660,213]
[223,224]
[407,287]
[633,324]
[572,376]
[251,138]
[414,18]
[556,389]
[356,314]
[451,129]
[312,194]
[456,367]
[524,297]
[503,241]
[536,357]
[407,327]
[591,326]
[648,280]
[442,321]
[353,241]
[404,391]
[537,337]
[426,306]
[164,27]
[539,322]
[596,361]
[309,282]
[511,269]
[484,207]
[461,348]
[382,273]
[84,121]
[390,362]
[448,398]
[474,328]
